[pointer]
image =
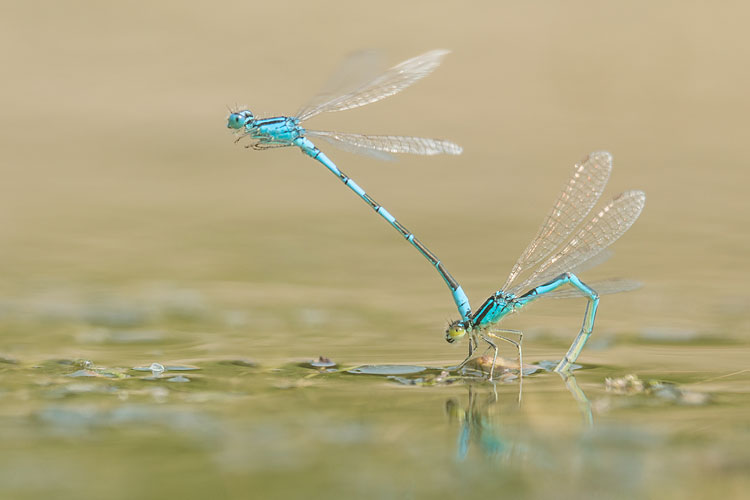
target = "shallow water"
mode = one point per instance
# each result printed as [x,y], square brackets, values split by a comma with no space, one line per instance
[164,397]
[168,300]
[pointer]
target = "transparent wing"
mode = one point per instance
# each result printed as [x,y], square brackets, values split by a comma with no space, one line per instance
[333,138]
[355,71]
[577,198]
[373,144]
[603,287]
[600,232]
[594,261]
[387,84]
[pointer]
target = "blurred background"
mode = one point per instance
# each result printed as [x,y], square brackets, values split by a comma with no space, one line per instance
[133,230]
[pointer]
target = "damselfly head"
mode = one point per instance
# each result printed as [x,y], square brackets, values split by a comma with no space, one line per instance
[455,331]
[238,119]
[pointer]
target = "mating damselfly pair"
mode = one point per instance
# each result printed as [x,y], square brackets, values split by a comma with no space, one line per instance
[563,244]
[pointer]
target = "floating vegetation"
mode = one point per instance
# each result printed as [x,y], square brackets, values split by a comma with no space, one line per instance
[158,371]
[505,371]
[88,369]
[428,379]
[84,373]
[506,368]
[386,370]
[630,385]
[409,374]
[159,368]
[322,362]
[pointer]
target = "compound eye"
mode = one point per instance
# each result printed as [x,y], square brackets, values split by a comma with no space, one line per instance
[455,331]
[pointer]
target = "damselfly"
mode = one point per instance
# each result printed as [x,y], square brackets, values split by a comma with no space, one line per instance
[283,131]
[553,257]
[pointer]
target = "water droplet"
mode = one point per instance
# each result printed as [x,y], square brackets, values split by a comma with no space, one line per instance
[156,368]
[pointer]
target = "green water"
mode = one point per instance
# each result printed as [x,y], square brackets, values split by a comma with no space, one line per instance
[133,232]
[91,414]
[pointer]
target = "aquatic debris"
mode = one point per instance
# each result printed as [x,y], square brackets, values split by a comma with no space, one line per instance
[158,370]
[387,370]
[631,385]
[503,365]
[443,377]
[180,368]
[88,369]
[322,364]
[429,379]
[409,374]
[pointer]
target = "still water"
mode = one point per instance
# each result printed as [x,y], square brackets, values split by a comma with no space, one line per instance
[164,291]
[151,393]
